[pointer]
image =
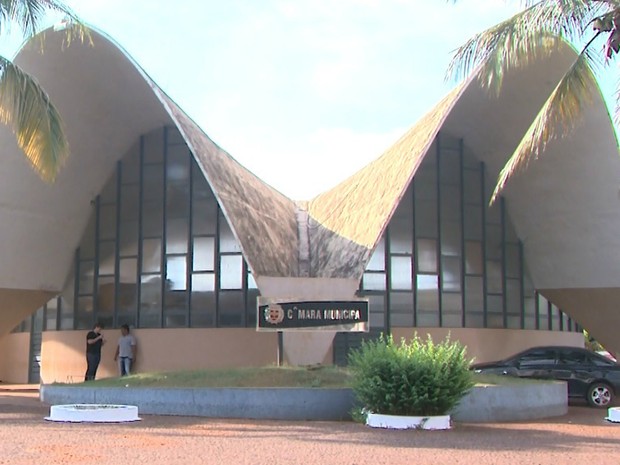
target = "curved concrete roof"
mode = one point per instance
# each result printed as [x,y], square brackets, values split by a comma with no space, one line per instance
[107,102]
[565,207]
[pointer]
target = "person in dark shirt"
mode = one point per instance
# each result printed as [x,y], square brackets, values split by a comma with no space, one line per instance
[94,341]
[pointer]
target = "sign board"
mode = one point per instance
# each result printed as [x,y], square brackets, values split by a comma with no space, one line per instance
[312,315]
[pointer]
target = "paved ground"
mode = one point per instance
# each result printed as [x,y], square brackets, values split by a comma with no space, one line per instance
[581,437]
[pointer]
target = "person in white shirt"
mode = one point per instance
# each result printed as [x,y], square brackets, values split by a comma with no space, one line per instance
[125,351]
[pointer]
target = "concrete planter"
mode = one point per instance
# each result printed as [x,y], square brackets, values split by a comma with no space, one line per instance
[256,403]
[377,420]
[513,402]
[522,401]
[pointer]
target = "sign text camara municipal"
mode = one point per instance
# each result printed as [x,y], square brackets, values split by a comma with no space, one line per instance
[276,315]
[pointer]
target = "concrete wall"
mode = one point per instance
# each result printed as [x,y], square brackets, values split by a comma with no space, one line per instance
[63,358]
[486,345]
[14,355]
[63,352]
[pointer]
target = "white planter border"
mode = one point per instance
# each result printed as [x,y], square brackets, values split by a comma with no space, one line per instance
[613,415]
[377,420]
[93,413]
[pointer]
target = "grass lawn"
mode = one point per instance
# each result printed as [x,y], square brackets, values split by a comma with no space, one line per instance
[270,376]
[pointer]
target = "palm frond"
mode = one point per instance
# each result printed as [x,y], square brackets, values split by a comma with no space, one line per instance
[37,125]
[29,15]
[557,117]
[526,37]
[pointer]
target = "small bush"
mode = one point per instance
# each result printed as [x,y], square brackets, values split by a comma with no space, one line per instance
[419,378]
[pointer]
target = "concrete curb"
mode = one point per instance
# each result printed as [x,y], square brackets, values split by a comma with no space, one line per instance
[527,401]
[255,403]
[483,404]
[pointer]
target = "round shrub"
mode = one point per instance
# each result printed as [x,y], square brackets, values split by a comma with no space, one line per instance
[416,378]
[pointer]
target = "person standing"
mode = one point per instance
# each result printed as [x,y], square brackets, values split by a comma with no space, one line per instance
[94,341]
[125,351]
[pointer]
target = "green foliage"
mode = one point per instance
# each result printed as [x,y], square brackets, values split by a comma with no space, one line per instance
[418,378]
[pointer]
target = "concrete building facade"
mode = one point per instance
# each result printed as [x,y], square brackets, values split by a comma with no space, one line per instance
[152,224]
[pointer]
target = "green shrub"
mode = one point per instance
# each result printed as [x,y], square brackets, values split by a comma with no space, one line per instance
[419,378]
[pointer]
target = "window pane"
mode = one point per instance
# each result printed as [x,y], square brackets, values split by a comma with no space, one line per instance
[204,254]
[204,216]
[473,222]
[473,194]
[377,260]
[129,238]
[494,277]
[151,255]
[512,261]
[374,281]
[450,167]
[130,199]
[150,301]
[401,308]
[425,218]
[427,298]
[86,277]
[127,297]
[474,301]
[231,309]
[513,296]
[177,164]
[107,252]
[128,270]
[51,315]
[228,243]
[203,300]
[152,218]
[177,233]
[451,239]
[427,255]
[494,241]
[473,258]
[154,146]
[401,235]
[176,273]
[153,182]
[400,276]
[376,305]
[450,203]
[231,271]
[451,273]
[425,183]
[451,302]
[87,246]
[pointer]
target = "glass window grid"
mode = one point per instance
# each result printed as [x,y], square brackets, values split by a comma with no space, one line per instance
[180,310]
[547,317]
[508,314]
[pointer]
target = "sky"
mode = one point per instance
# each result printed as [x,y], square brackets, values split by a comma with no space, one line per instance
[301,92]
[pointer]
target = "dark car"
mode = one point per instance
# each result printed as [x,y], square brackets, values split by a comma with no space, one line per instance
[587,374]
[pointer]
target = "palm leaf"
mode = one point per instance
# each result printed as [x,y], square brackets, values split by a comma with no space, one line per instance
[28,15]
[557,117]
[37,125]
[528,36]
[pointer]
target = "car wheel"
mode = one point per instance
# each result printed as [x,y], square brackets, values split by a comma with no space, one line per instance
[600,395]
